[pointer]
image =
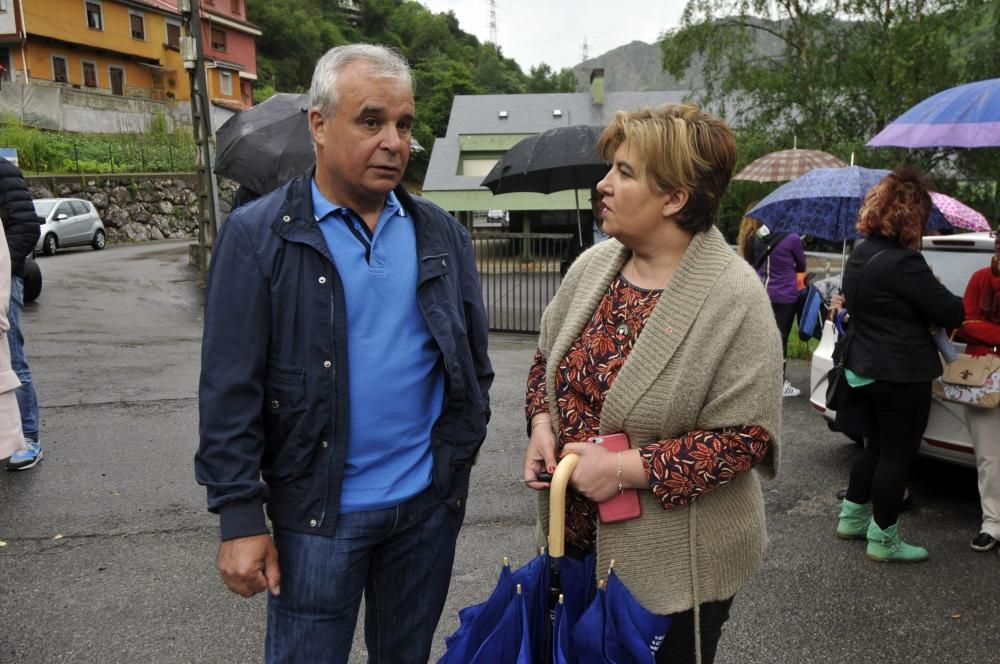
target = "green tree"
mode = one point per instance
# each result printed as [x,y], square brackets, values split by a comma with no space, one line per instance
[543,79]
[832,73]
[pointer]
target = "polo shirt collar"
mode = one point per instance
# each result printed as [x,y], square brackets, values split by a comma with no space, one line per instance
[323,207]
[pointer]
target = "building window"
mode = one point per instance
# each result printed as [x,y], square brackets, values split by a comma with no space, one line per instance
[3,6]
[95,15]
[173,34]
[60,70]
[116,77]
[90,74]
[218,39]
[226,83]
[138,24]
[236,6]
[477,167]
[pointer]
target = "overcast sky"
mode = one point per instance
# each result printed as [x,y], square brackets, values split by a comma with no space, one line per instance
[553,31]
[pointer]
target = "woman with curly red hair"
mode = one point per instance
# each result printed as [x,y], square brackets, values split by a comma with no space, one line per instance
[894,300]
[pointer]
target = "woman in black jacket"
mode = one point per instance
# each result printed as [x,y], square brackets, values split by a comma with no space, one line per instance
[894,300]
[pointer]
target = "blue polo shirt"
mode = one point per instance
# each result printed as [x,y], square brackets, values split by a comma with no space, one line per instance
[396,376]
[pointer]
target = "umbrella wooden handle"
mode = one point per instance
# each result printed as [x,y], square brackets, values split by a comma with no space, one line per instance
[557,505]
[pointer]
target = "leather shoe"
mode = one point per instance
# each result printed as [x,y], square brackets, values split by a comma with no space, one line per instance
[983,542]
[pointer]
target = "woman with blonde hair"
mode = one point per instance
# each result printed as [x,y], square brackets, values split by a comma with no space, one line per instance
[891,359]
[746,237]
[662,333]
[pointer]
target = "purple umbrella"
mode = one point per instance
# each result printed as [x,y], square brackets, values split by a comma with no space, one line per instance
[824,203]
[967,116]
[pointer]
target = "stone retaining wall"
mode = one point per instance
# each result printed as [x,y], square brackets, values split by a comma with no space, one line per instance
[137,207]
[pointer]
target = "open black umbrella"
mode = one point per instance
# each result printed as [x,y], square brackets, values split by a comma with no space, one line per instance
[555,160]
[264,146]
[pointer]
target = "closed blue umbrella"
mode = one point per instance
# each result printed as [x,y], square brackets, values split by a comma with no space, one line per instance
[539,580]
[617,629]
[510,641]
[824,203]
[555,614]
[639,632]
[966,116]
[477,621]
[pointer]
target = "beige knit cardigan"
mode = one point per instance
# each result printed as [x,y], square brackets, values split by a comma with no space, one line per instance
[709,357]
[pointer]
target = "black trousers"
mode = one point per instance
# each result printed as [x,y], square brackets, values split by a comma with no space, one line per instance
[678,647]
[894,416]
[784,316]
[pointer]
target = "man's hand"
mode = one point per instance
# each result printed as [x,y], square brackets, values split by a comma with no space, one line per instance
[248,565]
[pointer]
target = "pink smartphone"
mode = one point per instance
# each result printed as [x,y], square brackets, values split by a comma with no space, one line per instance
[625,505]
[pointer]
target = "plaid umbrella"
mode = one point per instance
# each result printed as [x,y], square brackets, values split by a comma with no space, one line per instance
[966,116]
[959,214]
[787,165]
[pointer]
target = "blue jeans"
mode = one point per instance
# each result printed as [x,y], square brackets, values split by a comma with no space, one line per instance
[27,402]
[399,558]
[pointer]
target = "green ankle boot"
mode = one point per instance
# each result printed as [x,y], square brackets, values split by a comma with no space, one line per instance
[853,521]
[886,546]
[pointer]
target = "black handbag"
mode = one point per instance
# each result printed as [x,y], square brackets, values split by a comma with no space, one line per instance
[838,392]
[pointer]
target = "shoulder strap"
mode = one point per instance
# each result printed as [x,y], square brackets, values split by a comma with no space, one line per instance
[771,241]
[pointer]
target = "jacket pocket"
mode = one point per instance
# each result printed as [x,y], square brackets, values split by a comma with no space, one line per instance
[8,379]
[284,410]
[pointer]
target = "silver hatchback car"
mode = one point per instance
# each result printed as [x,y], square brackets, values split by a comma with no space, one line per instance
[68,222]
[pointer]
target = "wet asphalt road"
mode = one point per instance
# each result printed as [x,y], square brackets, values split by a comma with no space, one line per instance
[109,552]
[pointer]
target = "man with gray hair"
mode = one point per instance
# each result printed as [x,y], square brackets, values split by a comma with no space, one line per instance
[344,382]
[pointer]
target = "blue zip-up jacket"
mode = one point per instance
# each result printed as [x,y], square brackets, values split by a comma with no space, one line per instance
[273,396]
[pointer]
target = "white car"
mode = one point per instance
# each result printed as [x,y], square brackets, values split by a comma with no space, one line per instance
[68,222]
[953,258]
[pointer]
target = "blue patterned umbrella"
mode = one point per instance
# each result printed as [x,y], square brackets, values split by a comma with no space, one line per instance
[966,116]
[824,203]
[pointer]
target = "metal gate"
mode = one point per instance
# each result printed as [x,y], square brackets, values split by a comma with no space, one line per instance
[520,272]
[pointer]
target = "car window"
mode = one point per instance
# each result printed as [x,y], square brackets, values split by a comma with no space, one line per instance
[42,208]
[79,207]
[64,208]
[955,268]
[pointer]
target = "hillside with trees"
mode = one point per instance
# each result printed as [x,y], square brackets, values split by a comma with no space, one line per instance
[446,60]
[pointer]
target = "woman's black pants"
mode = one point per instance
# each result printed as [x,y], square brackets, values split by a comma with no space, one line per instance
[894,416]
[678,647]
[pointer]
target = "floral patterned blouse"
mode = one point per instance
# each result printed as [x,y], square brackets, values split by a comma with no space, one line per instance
[679,469]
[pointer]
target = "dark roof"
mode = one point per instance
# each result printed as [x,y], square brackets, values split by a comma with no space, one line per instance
[532,113]
[526,114]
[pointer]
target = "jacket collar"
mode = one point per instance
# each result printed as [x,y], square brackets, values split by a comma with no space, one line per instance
[296,222]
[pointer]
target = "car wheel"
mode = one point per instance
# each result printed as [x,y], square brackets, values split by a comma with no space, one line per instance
[32,280]
[99,241]
[50,244]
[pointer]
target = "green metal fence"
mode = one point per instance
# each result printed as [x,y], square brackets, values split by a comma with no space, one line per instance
[519,272]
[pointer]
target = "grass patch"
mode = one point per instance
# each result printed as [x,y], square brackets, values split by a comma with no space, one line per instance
[42,152]
[798,349]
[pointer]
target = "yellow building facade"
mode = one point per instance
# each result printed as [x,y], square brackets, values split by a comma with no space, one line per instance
[127,48]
